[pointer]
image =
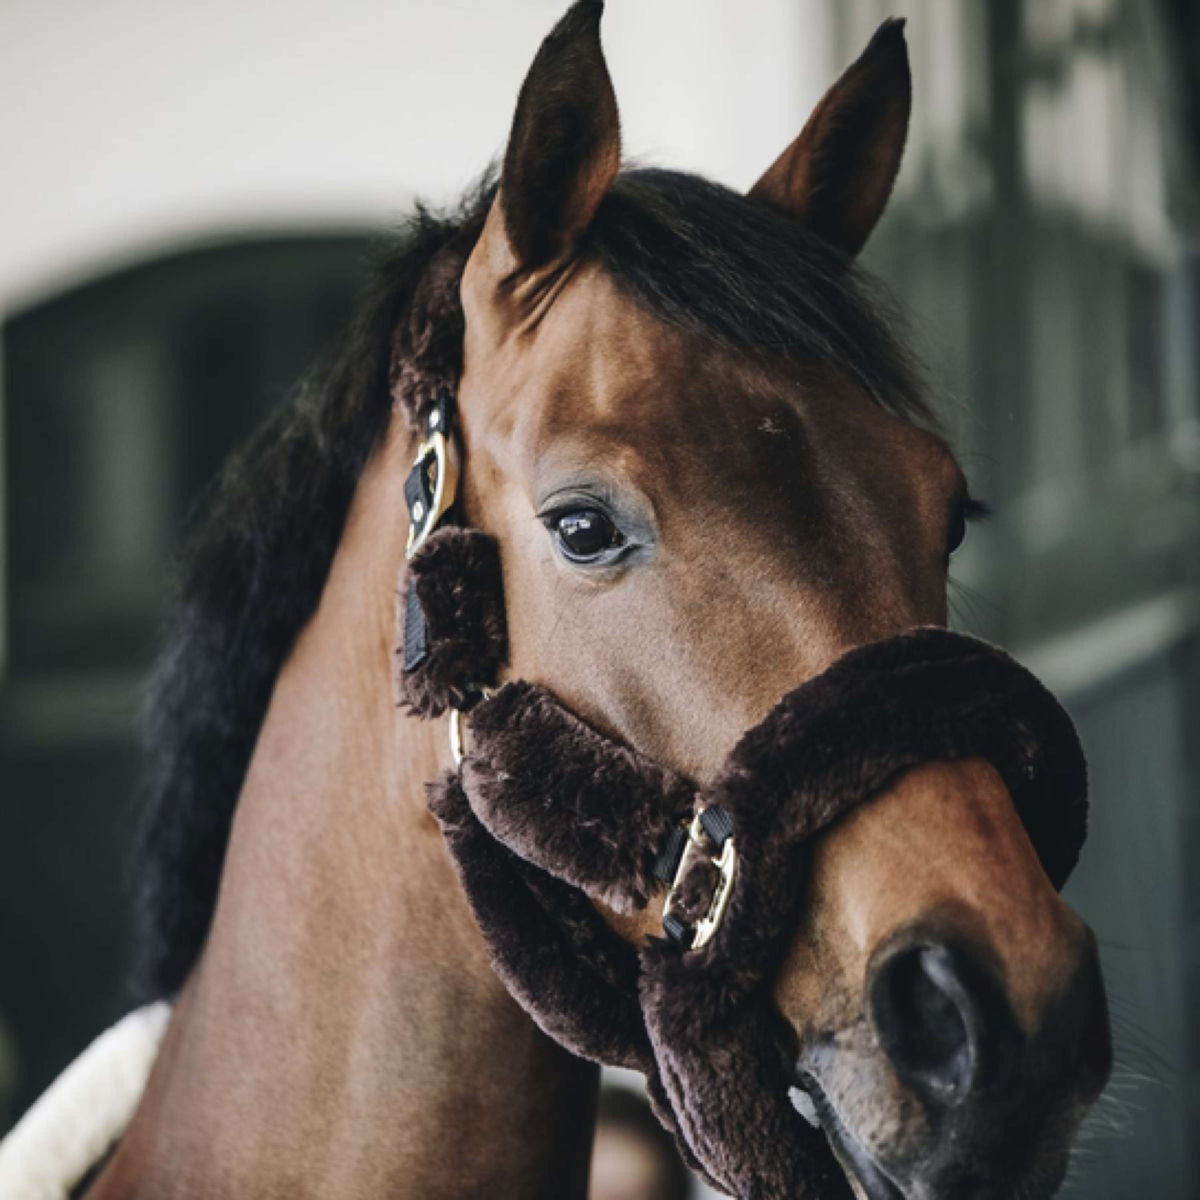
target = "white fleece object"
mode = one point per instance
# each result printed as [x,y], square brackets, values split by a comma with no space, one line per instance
[84,1111]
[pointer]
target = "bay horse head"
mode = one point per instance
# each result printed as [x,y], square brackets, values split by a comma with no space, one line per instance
[710,474]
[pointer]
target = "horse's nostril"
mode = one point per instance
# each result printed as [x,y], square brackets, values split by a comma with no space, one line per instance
[929,1021]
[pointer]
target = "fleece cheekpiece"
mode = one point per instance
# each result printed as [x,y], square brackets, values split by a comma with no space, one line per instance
[547,815]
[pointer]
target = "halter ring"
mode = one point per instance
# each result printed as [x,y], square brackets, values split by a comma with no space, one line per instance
[457,745]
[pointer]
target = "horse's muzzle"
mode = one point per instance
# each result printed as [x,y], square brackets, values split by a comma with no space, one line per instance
[988,1092]
[547,815]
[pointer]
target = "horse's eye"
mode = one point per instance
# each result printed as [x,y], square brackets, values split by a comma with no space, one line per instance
[966,509]
[586,535]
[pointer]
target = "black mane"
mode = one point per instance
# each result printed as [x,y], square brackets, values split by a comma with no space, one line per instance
[706,259]
[695,254]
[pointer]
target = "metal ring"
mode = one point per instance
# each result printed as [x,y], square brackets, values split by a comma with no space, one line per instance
[457,745]
[456,736]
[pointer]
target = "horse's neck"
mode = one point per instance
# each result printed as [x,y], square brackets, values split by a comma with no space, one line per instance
[343,1033]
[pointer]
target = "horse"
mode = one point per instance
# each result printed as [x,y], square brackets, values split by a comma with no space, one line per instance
[710,471]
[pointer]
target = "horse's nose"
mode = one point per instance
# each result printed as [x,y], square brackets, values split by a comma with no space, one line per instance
[939,1017]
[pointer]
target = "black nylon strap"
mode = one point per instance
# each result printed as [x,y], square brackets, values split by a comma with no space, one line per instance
[678,931]
[718,824]
[667,866]
[416,630]
[440,417]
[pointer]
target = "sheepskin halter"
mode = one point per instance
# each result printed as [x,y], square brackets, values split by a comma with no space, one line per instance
[544,815]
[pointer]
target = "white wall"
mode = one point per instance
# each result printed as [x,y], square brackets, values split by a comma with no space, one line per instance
[132,124]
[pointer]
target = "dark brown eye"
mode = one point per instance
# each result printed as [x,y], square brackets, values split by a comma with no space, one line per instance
[965,510]
[586,535]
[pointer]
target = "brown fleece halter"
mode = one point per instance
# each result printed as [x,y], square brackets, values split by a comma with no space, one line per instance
[545,815]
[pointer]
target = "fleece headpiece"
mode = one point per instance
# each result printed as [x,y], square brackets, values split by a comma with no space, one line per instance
[545,815]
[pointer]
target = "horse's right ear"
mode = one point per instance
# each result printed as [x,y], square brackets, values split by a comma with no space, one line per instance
[837,175]
[563,154]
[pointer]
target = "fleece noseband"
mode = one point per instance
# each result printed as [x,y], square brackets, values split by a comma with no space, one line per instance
[545,816]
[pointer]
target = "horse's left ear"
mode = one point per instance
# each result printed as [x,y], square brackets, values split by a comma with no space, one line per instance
[564,151]
[837,175]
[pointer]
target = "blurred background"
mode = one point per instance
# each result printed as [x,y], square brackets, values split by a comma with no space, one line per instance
[190,198]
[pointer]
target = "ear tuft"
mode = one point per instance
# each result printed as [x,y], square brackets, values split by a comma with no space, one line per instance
[836,177]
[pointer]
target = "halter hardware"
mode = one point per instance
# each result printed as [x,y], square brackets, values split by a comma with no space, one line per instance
[430,492]
[468,702]
[432,484]
[710,826]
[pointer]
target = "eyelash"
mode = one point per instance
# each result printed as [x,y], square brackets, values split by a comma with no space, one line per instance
[966,510]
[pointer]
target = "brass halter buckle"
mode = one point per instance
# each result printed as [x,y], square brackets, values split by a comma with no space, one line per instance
[709,826]
[432,484]
[457,745]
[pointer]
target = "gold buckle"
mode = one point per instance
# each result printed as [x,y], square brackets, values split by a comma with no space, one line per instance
[435,453]
[726,863]
[457,750]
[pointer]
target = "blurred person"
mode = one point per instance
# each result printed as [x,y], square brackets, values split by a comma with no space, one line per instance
[634,1158]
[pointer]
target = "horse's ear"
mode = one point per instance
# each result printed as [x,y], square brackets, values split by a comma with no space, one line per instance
[837,175]
[564,149]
